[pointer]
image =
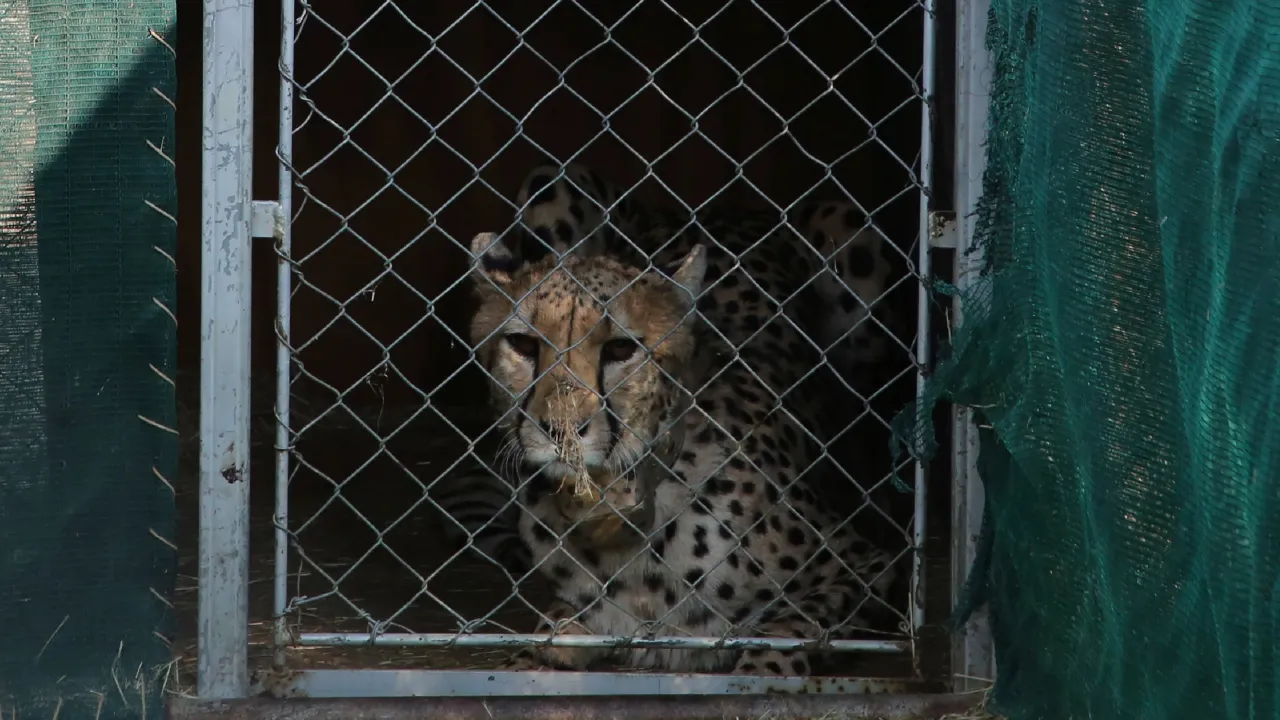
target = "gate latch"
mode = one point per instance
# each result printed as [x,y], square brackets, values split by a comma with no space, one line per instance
[266,222]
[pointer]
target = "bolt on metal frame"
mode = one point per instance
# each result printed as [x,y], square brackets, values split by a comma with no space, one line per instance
[224,506]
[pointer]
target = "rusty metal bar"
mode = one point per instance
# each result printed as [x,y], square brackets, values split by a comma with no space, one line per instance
[775,707]
[389,683]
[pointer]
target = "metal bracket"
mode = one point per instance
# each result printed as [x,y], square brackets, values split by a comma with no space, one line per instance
[943,230]
[266,222]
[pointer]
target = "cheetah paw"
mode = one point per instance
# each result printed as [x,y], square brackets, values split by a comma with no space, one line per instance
[772,663]
[524,661]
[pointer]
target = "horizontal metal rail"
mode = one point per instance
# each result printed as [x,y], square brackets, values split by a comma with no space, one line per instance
[591,641]
[668,707]
[522,683]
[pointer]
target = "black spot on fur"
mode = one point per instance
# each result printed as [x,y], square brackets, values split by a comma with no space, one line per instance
[659,547]
[564,233]
[701,616]
[540,189]
[542,534]
[861,262]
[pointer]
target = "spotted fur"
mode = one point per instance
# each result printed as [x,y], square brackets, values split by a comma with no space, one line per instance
[735,538]
[826,287]
[574,208]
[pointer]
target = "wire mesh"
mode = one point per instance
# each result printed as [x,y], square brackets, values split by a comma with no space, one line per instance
[408,133]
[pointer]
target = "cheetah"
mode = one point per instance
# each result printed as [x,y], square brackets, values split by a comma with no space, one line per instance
[576,210]
[594,359]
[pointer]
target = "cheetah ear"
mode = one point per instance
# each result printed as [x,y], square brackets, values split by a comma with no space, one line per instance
[494,261]
[691,271]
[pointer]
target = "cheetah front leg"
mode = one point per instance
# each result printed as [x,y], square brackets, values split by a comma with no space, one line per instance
[817,610]
[773,663]
[560,619]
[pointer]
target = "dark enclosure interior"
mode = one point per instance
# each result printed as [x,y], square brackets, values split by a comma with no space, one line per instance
[740,104]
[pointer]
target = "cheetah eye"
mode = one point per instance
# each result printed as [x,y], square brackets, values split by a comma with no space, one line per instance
[523,345]
[619,350]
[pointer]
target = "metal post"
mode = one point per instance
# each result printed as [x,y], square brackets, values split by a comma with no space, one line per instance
[923,328]
[973,664]
[284,290]
[226,172]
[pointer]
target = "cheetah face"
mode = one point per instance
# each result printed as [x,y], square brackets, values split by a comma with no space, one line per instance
[586,357]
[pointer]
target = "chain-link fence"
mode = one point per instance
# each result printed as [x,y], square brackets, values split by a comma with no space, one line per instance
[592,322]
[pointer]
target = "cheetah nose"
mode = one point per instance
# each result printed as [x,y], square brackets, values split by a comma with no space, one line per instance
[582,429]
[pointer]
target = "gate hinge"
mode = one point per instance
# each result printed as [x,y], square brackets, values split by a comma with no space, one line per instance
[266,221]
[943,230]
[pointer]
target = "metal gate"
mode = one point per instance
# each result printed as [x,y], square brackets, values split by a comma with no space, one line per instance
[301,578]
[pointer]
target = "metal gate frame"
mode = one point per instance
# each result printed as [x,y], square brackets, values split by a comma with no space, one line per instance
[231,219]
[972,654]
